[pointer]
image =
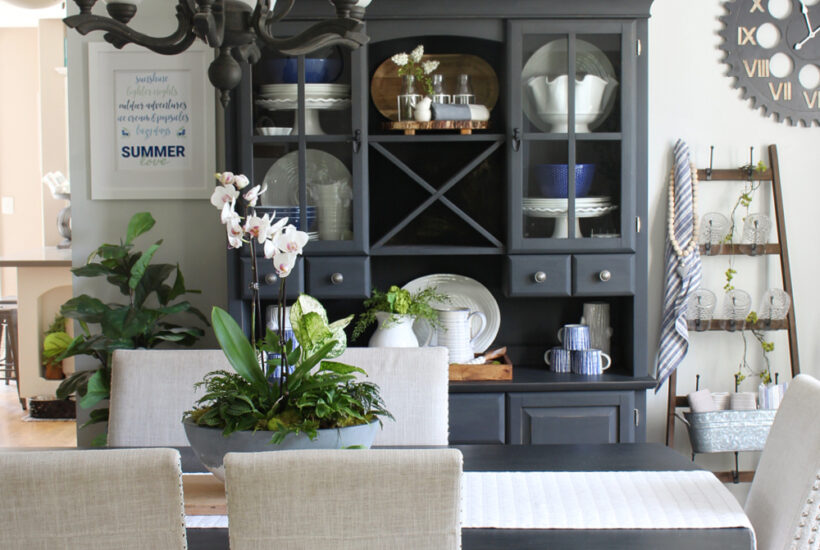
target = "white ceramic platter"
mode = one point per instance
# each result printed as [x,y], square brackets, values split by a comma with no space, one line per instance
[544,212]
[322,168]
[551,59]
[463,292]
[310,103]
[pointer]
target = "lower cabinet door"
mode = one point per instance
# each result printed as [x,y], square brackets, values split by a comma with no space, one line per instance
[477,418]
[571,417]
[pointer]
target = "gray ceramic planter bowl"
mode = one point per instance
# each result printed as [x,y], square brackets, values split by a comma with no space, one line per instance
[210,445]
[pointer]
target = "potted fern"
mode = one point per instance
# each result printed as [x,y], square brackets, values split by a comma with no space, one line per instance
[280,395]
[394,313]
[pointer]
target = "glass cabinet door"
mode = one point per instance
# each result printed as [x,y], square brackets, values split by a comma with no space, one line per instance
[572,183]
[307,129]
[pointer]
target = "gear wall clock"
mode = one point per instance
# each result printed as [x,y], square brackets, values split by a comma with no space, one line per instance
[772,50]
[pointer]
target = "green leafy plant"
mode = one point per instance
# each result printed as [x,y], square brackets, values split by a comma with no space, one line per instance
[141,322]
[315,393]
[55,341]
[398,301]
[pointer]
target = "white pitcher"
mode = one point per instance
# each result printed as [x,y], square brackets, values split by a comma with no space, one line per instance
[395,331]
[455,332]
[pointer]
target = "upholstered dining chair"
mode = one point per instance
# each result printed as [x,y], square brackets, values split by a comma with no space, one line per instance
[399,499]
[150,389]
[128,499]
[784,499]
[414,385]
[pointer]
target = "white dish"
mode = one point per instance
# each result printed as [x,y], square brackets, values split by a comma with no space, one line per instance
[551,60]
[551,212]
[310,103]
[274,131]
[579,201]
[463,292]
[322,168]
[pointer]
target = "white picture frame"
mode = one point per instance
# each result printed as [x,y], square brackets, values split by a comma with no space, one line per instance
[151,123]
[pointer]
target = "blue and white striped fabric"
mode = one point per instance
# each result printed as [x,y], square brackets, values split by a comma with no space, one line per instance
[682,276]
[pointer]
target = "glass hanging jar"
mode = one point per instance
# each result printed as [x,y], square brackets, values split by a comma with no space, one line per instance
[464,92]
[438,90]
[408,97]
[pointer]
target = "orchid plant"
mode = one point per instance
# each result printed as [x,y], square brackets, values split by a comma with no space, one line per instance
[412,64]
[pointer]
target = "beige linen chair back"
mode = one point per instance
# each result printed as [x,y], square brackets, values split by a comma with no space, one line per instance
[414,385]
[124,499]
[150,389]
[784,499]
[394,499]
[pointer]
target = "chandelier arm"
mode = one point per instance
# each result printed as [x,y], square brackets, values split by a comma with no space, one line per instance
[119,34]
[342,31]
[209,22]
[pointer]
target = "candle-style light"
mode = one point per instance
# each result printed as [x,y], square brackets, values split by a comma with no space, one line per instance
[233,27]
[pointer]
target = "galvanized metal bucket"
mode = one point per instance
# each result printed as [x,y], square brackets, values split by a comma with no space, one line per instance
[723,431]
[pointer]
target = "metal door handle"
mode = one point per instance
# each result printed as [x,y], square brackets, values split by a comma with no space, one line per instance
[271,278]
[539,277]
[605,275]
[337,278]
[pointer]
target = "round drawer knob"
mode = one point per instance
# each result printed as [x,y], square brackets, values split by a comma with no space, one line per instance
[605,275]
[271,278]
[539,277]
[337,278]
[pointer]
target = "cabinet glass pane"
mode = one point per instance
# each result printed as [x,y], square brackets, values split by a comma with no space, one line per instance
[598,83]
[598,207]
[544,91]
[546,183]
[327,185]
[327,93]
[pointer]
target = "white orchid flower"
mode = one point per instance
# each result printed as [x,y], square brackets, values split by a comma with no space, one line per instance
[273,232]
[276,227]
[257,227]
[283,263]
[235,233]
[252,196]
[290,240]
[400,59]
[417,53]
[241,181]
[229,215]
[225,178]
[429,66]
[223,195]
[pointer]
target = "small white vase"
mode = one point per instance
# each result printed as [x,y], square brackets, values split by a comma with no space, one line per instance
[393,331]
[423,113]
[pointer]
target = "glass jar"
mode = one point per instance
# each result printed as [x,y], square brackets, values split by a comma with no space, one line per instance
[407,98]
[464,91]
[438,90]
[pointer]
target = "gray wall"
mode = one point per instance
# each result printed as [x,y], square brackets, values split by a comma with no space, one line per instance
[192,233]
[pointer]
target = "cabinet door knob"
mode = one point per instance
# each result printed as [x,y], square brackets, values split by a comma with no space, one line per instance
[605,275]
[271,278]
[337,278]
[539,277]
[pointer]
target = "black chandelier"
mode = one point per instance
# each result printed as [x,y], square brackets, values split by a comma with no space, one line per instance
[234,27]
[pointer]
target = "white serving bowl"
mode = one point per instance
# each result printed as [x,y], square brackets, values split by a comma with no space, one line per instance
[274,131]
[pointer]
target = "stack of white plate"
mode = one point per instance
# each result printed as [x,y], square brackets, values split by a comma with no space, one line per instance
[312,91]
[585,207]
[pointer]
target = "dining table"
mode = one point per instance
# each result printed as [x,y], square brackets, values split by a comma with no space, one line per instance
[205,499]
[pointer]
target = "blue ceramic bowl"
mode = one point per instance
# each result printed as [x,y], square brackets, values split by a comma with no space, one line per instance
[283,70]
[293,215]
[553,180]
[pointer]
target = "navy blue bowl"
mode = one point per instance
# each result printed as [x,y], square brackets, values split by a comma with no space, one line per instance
[283,70]
[553,180]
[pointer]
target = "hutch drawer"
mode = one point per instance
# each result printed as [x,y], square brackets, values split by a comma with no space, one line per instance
[603,275]
[338,277]
[268,281]
[538,275]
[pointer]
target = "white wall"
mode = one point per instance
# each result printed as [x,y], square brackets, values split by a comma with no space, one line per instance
[691,98]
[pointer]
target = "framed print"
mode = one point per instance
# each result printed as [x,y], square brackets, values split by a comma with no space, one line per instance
[151,123]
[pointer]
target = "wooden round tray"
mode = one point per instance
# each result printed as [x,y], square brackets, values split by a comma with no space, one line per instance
[410,126]
[385,85]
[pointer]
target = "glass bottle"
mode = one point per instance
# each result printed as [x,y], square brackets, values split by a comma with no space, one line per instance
[438,90]
[464,92]
[408,97]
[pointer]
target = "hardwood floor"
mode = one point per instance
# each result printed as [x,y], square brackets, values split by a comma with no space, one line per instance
[15,432]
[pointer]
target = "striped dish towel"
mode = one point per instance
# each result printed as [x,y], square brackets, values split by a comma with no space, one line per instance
[682,275]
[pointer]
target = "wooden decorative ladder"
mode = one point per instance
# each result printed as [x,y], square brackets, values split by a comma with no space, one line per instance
[780,248]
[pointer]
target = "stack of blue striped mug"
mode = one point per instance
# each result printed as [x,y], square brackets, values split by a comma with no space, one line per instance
[575,355]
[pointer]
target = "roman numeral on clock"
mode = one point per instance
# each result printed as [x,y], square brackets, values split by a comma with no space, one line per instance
[746,36]
[756,6]
[783,88]
[811,103]
[758,67]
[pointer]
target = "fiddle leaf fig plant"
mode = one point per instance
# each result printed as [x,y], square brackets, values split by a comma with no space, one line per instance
[141,320]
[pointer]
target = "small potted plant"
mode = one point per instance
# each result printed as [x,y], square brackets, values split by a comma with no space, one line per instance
[280,396]
[55,341]
[395,311]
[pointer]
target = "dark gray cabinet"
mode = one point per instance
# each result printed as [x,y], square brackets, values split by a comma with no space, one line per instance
[484,205]
[571,417]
